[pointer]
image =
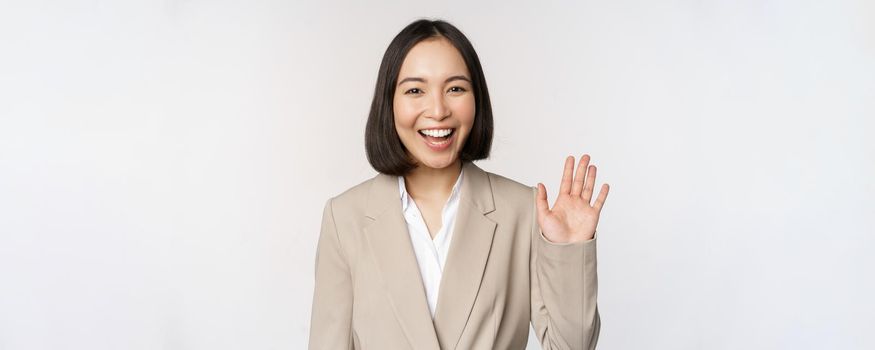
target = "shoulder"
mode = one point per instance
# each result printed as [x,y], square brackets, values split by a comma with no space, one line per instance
[510,194]
[353,200]
[514,202]
[509,188]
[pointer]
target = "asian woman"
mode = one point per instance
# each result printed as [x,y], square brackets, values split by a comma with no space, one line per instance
[434,252]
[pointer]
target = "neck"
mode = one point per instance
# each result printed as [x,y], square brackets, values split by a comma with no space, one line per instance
[428,183]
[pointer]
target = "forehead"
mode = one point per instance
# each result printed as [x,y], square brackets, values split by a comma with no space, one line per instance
[433,58]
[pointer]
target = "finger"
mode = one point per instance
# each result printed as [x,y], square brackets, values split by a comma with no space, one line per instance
[603,194]
[587,187]
[577,186]
[565,185]
[541,201]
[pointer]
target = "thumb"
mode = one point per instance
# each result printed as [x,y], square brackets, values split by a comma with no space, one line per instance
[541,201]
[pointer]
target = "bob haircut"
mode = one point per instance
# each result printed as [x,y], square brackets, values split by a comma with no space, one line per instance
[384,149]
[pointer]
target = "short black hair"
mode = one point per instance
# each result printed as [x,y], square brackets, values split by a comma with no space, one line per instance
[383,146]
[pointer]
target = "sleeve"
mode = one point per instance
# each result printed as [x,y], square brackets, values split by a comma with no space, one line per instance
[331,317]
[564,289]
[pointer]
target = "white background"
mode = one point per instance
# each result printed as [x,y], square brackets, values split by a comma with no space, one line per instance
[164,164]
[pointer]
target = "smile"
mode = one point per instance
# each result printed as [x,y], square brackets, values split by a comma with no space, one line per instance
[438,139]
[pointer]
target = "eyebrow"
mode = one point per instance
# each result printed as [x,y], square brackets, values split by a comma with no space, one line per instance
[452,78]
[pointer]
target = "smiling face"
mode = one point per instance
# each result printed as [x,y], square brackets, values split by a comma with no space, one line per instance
[434,103]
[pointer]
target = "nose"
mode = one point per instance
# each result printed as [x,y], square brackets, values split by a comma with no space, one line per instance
[438,109]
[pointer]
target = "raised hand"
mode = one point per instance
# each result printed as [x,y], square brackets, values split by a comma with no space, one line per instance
[572,218]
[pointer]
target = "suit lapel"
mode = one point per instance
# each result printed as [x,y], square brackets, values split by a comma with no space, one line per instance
[393,252]
[466,259]
[390,243]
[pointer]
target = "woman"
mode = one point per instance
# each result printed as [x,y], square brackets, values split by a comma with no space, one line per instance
[435,253]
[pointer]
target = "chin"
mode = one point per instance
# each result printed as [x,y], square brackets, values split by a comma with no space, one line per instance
[437,164]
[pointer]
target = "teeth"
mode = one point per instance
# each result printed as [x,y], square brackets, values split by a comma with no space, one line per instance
[436,132]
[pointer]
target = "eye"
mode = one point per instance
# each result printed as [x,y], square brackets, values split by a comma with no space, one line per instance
[414,90]
[460,89]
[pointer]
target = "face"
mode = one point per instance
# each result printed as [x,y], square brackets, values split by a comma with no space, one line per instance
[434,103]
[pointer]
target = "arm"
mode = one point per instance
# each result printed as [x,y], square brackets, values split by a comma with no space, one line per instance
[564,290]
[331,318]
[564,285]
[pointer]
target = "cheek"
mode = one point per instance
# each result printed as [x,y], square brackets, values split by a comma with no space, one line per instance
[465,109]
[405,116]
[406,110]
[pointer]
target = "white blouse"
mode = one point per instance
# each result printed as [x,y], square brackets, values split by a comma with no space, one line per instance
[431,254]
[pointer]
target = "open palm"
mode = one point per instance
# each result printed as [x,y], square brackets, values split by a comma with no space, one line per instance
[572,218]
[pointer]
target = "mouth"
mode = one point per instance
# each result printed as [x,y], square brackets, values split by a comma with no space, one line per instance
[438,139]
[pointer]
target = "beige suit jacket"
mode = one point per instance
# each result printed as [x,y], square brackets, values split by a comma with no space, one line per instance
[500,274]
